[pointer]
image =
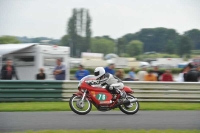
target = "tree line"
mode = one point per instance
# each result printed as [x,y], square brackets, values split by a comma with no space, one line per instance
[15,39]
[148,40]
[161,40]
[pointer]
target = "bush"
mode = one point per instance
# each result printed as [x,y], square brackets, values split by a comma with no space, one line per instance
[124,55]
[73,70]
[196,52]
[126,70]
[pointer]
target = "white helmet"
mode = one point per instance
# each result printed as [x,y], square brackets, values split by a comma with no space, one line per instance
[99,72]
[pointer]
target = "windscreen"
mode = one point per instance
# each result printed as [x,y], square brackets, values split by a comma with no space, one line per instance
[86,78]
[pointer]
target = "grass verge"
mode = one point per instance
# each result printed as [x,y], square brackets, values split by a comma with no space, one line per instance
[113,131]
[64,106]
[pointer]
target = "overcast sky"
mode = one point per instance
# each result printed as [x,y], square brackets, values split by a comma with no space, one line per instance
[34,18]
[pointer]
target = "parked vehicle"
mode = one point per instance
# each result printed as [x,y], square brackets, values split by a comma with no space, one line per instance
[196,61]
[28,58]
[88,95]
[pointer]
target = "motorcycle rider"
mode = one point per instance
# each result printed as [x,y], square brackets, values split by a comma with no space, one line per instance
[111,82]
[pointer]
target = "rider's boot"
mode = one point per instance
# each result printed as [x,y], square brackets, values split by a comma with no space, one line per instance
[122,94]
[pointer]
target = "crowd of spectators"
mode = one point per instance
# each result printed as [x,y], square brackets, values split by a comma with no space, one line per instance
[190,73]
[8,71]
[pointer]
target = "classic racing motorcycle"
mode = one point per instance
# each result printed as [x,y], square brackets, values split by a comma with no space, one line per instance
[81,102]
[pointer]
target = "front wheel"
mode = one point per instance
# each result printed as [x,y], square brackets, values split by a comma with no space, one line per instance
[78,106]
[131,108]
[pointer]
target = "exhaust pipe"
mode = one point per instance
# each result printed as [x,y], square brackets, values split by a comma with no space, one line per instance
[125,102]
[129,101]
[133,100]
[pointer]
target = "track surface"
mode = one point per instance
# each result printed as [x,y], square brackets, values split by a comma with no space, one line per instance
[20,121]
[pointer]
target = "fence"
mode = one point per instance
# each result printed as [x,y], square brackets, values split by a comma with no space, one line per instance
[63,90]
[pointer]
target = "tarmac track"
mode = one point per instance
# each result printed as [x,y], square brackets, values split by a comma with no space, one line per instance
[21,121]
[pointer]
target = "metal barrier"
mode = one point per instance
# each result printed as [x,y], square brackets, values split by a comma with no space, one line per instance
[30,90]
[62,91]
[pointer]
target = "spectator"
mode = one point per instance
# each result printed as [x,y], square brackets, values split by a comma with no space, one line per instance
[157,72]
[198,68]
[132,74]
[181,75]
[120,74]
[167,76]
[8,71]
[41,75]
[60,70]
[81,73]
[141,74]
[110,69]
[192,75]
[150,76]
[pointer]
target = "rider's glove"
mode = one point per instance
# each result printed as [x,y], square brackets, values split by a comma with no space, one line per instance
[92,82]
[89,82]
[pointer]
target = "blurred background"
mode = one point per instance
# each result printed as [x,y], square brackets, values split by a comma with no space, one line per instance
[65,40]
[131,33]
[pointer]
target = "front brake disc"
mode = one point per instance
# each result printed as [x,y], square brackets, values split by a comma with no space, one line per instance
[80,104]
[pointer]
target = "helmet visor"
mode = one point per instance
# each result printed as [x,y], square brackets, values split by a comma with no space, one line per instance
[96,73]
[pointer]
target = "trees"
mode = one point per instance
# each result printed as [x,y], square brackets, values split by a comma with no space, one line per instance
[170,48]
[194,35]
[154,39]
[79,32]
[102,45]
[72,31]
[161,40]
[39,40]
[65,41]
[135,48]
[184,46]
[8,39]
[121,46]
[88,33]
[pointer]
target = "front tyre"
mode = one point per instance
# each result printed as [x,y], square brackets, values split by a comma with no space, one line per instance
[78,106]
[131,108]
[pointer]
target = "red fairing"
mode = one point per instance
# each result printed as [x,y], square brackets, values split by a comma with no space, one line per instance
[127,89]
[98,100]
[98,95]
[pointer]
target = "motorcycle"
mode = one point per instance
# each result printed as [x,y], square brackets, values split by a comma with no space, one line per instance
[81,102]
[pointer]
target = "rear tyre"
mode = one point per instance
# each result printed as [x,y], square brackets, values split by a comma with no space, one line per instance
[79,107]
[131,108]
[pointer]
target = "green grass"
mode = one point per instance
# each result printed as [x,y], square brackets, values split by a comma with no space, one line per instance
[113,131]
[64,106]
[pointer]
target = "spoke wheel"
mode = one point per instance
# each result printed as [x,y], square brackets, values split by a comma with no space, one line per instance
[78,106]
[131,108]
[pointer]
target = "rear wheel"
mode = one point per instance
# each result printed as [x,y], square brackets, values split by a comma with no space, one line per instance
[78,106]
[131,108]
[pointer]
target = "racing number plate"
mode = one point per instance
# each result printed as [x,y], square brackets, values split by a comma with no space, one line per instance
[101,96]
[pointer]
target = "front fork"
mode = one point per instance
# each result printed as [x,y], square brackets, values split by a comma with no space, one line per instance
[80,103]
[84,94]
